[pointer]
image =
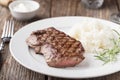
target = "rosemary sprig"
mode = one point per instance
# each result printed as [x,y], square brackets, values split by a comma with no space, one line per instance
[110,55]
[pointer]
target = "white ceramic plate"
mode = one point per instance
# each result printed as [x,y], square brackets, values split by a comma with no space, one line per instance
[90,67]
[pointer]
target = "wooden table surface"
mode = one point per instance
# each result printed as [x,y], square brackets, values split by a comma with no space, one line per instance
[12,70]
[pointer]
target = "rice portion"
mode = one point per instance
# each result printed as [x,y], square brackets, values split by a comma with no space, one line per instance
[93,35]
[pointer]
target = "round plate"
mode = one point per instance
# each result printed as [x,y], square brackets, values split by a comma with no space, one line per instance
[90,67]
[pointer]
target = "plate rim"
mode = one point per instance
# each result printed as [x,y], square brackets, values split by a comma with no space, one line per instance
[50,74]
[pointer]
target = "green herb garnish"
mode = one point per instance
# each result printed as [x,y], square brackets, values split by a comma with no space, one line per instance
[110,55]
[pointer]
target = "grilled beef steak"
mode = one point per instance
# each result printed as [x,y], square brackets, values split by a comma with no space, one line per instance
[59,49]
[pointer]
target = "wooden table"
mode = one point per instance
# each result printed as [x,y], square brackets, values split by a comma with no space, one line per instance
[12,70]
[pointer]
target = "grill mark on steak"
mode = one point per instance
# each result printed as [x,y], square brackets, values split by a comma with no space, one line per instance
[59,49]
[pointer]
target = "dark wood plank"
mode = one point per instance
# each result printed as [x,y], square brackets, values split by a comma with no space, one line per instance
[118,4]
[104,12]
[14,71]
[114,76]
[44,11]
[63,8]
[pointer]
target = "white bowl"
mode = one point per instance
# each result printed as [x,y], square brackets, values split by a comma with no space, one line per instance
[25,9]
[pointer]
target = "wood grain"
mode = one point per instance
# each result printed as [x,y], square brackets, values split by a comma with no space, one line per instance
[14,71]
[4,13]
[44,11]
[63,8]
[118,4]
[104,12]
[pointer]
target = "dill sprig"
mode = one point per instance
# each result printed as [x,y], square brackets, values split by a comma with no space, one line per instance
[110,55]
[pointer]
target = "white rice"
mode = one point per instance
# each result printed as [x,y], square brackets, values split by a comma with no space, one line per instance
[93,35]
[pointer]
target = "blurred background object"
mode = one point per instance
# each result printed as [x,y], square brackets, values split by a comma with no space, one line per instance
[115,17]
[24,9]
[93,4]
[5,2]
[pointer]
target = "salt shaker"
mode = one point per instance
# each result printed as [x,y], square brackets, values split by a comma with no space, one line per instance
[94,4]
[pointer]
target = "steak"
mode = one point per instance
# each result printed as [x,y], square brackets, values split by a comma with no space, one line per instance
[59,49]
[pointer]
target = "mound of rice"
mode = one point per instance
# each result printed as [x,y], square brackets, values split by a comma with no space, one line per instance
[94,35]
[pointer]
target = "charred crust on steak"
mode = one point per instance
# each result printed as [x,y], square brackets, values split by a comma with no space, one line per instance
[57,47]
